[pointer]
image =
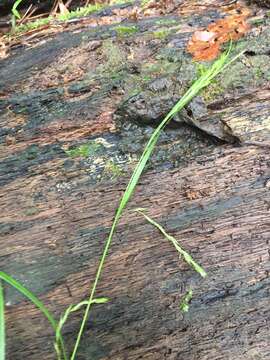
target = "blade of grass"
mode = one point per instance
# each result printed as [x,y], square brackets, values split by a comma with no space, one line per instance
[197,86]
[14,9]
[184,305]
[64,318]
[39,304]
[2,324]
[187,257]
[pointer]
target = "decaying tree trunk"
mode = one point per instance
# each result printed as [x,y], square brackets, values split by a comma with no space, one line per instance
[73,125]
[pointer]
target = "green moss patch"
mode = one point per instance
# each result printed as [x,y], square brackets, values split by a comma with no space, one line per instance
[161,34]
[125,30]
[84,150]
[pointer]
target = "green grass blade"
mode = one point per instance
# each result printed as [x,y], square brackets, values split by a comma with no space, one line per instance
[197,86]
[187,257]
[184,305]
[64,318]
[2,324]
[39,304]
[14,9]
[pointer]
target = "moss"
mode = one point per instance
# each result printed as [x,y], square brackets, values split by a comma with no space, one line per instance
[161,34]
[125,30]
[159,68]
[84,150]
[258,73]
[212,91]
[112,170]
[166,22]
[114,56]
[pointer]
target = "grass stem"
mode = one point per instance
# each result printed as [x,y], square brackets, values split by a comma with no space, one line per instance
[218,66]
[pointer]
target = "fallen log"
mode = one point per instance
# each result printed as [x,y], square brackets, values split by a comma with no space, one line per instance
[69,142]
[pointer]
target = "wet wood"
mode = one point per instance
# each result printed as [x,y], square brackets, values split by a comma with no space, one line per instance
[56,212]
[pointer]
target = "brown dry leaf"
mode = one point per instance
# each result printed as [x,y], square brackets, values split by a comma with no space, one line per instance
[207,54]
[205,45]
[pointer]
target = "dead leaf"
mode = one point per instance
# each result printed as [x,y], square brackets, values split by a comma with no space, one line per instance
[205,44]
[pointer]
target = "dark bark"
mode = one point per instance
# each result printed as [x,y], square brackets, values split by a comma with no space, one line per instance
[57,208]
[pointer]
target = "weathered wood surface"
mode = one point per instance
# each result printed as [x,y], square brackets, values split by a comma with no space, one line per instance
[56,210]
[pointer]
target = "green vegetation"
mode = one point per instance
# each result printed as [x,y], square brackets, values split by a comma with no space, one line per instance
[32,25]
[161,34]
[184,305]
[175,243]
[258,73]
[112,170]
[84,150]
[203,81]
[214,89]
[114,59]
[144,3]
[80,12]
[125,30]
[218,66]
[29,295]
[166,22]
[14,9]
[160,67]
[2,324]
[15,13]
[63,320]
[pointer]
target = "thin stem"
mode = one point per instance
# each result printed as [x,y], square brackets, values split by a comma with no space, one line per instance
[198,85]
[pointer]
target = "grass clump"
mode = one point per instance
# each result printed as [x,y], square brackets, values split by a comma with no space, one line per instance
[80,12]
[32,25]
